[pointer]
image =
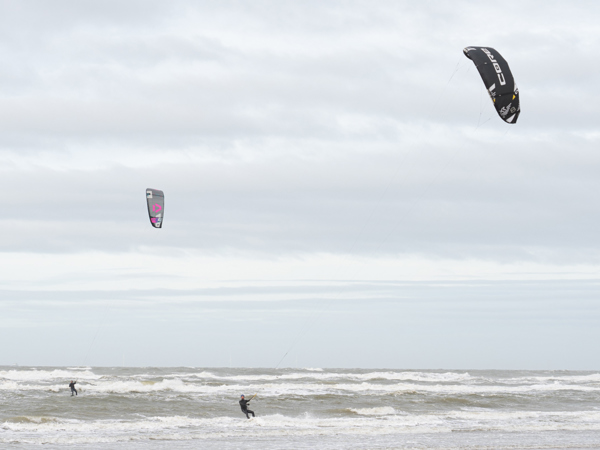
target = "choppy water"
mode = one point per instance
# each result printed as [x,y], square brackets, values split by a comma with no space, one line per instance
[160,408]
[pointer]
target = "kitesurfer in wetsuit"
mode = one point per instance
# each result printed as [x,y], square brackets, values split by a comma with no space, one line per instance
[244,405]
[72,386]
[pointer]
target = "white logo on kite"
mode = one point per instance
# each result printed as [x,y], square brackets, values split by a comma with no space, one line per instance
[496,66]
[504,110]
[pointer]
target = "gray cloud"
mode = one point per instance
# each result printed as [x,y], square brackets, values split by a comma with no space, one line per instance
[446,201]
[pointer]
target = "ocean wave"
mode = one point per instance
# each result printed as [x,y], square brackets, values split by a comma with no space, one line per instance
[388,375]
[378,411]
[32,419]
[593,378]
[41,375]
[129,386]
[316,374]
[42,430]
[183,427]
[15,386]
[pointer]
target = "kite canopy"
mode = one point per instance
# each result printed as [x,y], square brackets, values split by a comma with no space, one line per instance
[156,206]
[498,80]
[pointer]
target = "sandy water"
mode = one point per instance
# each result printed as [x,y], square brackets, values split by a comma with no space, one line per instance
[156,408]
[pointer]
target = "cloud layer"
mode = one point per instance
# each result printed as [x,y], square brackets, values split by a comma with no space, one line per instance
[342,136]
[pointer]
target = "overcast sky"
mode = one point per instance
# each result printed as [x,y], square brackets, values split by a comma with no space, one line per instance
[336,182]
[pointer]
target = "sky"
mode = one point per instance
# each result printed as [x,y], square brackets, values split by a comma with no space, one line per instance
[339,190]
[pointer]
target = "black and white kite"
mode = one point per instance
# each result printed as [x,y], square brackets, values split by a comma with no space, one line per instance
[498,80]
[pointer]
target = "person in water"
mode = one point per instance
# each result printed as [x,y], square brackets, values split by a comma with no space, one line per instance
[72,386]
[244,405]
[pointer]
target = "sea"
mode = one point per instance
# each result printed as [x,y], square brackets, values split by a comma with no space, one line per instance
[309,408]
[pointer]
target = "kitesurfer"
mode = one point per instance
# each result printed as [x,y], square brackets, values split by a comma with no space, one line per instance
[72,386]
[244,405]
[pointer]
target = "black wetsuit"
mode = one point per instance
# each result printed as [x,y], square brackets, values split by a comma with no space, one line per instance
[72,386]
[245,410]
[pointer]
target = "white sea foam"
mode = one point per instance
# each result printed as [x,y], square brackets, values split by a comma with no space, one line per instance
[380,411]
[391,376]
[42,430]
[127,386]
[42,375]
[590,378]
[318,374]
